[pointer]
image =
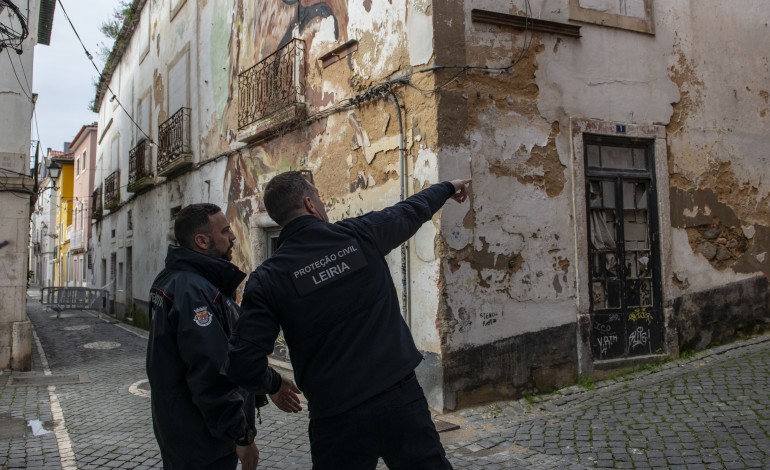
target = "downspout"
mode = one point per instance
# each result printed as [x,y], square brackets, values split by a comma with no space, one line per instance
[406,278]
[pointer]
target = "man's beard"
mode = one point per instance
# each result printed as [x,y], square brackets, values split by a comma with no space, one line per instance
[227,255]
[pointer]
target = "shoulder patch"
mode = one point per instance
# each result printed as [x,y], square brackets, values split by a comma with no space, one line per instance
[202,316]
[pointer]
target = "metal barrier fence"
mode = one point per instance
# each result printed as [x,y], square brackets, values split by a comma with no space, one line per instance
[71,298]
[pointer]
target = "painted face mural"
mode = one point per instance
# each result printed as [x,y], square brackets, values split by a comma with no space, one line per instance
[256,30]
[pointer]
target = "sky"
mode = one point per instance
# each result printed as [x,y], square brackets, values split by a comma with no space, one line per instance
[63,76]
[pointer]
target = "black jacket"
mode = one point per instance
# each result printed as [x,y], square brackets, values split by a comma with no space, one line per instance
[197,412]
[330,290]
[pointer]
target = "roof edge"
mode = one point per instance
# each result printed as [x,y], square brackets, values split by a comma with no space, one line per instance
[118,49]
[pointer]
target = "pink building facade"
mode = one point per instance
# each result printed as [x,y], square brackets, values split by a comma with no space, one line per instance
[84,155]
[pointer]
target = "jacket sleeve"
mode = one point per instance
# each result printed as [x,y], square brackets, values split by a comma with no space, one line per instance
[202,343]
[394,225]
[252,341]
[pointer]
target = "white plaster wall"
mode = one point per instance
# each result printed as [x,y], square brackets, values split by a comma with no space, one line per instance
[720,55]
[15,133]
[725,47]
[377,60]
[145,66]
[606,74]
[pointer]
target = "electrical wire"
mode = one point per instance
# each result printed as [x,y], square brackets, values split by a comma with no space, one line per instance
[22,22]
[18,80]
[101,76]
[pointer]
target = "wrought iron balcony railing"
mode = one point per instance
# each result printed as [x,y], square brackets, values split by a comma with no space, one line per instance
[174,143]
[139,169]
[272,92]
[96,203]
[112,190]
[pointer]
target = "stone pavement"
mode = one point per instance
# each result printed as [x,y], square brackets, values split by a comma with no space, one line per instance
[85,406]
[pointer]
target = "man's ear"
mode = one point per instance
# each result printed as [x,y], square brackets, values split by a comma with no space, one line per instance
[309,207]
[201,242]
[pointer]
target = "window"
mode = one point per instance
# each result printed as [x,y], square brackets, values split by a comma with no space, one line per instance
[271,240]
[178,83]
[113,272]
[633,15]
[129,220]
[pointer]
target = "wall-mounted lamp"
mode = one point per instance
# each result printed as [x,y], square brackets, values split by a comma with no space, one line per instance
[54,169]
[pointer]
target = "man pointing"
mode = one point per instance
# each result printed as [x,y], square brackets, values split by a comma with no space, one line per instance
[330,290]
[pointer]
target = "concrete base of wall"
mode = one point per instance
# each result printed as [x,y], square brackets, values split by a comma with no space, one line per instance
[718,316]
[141,315]
[21,345]
[531,363]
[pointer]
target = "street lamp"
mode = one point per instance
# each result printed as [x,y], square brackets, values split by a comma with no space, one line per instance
[53,171]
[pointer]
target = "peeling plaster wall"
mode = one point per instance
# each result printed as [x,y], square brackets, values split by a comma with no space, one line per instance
[509,264]
[718,141]
[494,283]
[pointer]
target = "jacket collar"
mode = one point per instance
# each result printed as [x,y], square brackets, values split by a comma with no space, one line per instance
[297,225]
[223,274]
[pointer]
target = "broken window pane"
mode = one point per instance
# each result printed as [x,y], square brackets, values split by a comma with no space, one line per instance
[608,194]
[598,295]
[603,229]
[613,294]
[594,158]
[617,157]
[595,194]
[640,159]
[640,195]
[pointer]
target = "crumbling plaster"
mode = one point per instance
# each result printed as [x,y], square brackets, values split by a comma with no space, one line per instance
[718,138]
[509,249]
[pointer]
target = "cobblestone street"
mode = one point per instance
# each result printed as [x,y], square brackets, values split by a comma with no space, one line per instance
[85,405]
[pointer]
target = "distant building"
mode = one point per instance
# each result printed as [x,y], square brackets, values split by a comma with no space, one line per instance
[83,149]
[619,209]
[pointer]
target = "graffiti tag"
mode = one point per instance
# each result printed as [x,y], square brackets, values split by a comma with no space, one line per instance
[488,318]
[605,343]
[602,328]
[638,337]
[640,314]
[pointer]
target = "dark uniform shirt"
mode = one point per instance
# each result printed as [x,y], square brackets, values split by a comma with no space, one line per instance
[197,412]
[330,290]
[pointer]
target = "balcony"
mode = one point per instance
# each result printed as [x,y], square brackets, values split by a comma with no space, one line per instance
[112,191]
[174,149]
[76,242]
[139,170]
[96,204]
[272,93]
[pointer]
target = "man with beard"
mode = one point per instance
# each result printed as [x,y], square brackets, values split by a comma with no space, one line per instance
[200,418]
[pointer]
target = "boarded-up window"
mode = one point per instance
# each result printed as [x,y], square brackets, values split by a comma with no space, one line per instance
[633,15]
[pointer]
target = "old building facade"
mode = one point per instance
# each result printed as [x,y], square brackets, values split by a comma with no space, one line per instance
[619,211]
[21,27]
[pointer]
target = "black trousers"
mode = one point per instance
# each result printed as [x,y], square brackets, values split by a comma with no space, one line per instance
[395,425]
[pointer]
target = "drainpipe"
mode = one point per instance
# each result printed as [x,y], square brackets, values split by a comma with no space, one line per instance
[406,277]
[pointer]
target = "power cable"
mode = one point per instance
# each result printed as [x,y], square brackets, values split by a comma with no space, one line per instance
[18,80]
[101,77]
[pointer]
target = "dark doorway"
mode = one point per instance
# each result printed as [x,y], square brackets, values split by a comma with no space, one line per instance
[623,239]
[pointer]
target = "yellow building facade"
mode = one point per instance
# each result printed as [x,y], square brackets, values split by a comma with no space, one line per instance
[64,205]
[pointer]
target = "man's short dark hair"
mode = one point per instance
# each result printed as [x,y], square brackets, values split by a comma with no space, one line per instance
[284,195]
[192,220]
